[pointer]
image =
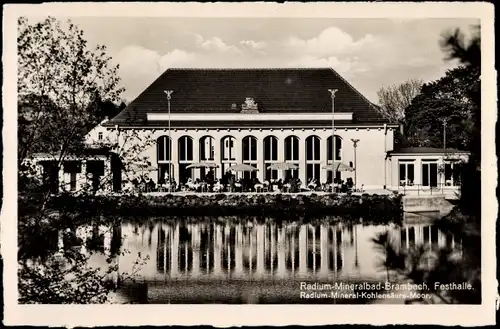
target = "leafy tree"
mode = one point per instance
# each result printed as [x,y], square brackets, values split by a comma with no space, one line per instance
[64,90]
[393,100]
[451,98]
[58,77]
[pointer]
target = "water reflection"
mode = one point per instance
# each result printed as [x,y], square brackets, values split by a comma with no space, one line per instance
[271,251]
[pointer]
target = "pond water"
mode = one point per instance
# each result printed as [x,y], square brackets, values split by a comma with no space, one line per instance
[224,260]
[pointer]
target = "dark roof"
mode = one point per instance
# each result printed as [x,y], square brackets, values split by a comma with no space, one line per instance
[420,150]
[274,90]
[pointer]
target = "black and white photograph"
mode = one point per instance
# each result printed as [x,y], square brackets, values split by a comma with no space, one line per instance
[194,157]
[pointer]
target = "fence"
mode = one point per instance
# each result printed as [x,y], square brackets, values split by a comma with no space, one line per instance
[438,189]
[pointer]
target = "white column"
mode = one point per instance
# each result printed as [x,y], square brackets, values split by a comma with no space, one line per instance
[81,233]
[302,160]
[167,232]
[293,248]
[407,237]
[174,250]
[281,156]
[260,159]
[324,159]
[239,153]
[335,246]
[260,250]
[274,250]
[303,249]
[62,183]
[238,250]
[217,251]
[324,249]
[175,158]
[81,178]
[281,271]
[440,239]
[60,240]
[418,172]
[314,249]
[430,236]
[195,246]
[106,231]
[250,256]
[218,157]
[342,248]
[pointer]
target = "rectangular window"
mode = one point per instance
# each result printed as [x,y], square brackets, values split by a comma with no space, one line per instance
[72,181]
[429,174]
[406,173]
[99,135]
[451,174]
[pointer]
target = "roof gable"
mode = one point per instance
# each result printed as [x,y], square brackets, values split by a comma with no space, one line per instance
[274,91]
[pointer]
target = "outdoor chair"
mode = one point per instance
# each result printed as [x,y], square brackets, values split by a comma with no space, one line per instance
[258,187]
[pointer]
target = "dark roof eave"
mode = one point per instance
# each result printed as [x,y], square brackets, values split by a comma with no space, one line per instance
[254,124]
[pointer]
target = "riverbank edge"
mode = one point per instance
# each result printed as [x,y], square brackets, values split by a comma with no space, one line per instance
[370,206]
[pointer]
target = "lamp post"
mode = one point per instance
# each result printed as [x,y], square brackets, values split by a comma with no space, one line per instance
[169,96]
[444,133]
[355,144]
[332,95]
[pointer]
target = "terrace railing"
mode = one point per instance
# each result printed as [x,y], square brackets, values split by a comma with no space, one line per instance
[438,189]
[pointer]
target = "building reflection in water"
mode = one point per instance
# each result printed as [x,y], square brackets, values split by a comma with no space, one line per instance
[270,251]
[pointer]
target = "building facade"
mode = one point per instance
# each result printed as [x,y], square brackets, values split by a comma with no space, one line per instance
[257,117]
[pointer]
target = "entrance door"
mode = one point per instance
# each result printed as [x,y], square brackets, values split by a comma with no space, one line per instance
[429,174]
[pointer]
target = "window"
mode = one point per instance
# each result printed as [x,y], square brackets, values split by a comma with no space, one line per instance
[228,144]
[338,148]
[406,173]
[185,149]
[313,156]
[429,173]
[249,148]
[292,155]
[270,156]
[99,135]
[163,144]
[207,148]
[452,174]
[250,155]
[185,158]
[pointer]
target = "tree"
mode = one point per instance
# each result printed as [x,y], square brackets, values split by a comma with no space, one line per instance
[451,98]
[58,77]
[395,99]
[64,90]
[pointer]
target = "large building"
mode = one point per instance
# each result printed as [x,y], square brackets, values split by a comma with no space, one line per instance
[259,117]
[308,117]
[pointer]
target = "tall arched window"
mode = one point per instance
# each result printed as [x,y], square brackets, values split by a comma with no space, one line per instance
[228,152]
[292,155]
[338,155]
[207,148]
[207,153]
[313,156]
[164,157]
[250,155]
[270,156]
[338,149]
[185,158]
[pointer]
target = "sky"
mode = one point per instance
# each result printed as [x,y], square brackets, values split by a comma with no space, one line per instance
[369,53]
